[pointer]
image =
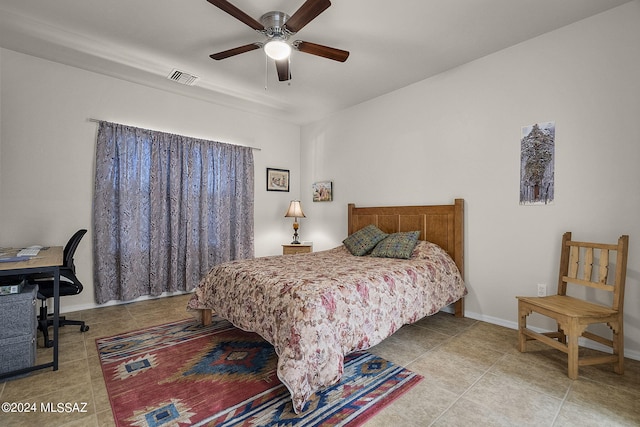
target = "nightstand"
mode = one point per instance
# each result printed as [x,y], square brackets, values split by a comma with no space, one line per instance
[297,249]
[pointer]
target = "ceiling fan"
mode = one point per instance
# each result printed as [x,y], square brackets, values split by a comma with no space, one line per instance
[278,27]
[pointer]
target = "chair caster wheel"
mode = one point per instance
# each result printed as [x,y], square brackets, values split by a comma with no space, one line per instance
[49,344]
[84,328]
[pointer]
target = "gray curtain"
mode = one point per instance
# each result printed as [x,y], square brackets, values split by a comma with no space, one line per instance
[166,209]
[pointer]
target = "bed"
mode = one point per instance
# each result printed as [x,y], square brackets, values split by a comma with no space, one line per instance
[317,307]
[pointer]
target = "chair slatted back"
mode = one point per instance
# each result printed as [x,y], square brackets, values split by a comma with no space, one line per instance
[588,264]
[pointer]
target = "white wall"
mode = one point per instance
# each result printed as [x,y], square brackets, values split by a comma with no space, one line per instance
[47,149]
[457,135]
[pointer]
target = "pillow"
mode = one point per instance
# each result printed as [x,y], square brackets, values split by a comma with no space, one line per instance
[397,245]
[363,240]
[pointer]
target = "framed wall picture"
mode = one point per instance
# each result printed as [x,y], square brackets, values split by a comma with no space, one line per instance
[537,165]
[277,179]
[323,191]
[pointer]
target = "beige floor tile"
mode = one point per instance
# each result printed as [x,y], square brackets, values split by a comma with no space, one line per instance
[166,316]
[466,413]
[72,404]
[105,419]
[546,378]
[90,346]
[572,415]
[88,421]
[114,327]
[71,351]
[606,401]
[514,402]
[426,339]
[104,314]
[457,349]
[446,323]
[396,351]
[605,374]
[100,396]
[446,372]
[494,337]
[543,355]
[407,344]
[46,381]
[420,406]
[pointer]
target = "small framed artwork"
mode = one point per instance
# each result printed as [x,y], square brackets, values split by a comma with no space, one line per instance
[323,191]
[277,179]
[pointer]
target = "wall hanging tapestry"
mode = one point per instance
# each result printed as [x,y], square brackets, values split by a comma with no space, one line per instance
[537,154]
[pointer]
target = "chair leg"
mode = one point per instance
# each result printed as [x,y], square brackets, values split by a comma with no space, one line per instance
[45,321]
[81,323]
[618,346]
[562,336]
[572,356]
[573,332]
[43,325]
[522,324]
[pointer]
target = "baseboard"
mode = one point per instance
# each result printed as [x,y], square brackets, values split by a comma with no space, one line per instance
[79,307]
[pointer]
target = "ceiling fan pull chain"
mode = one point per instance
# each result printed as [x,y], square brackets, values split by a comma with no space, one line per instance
[266,72]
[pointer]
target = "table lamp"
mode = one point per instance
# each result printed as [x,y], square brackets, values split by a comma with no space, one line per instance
[295,211]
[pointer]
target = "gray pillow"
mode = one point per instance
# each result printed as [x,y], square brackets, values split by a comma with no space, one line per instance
[397,245]
[363,240]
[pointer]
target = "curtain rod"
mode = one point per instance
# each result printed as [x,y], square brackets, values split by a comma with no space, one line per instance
[240,145]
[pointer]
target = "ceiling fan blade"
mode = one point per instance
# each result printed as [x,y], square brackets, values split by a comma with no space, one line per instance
[320,50]
[235,51]
[284,73]
[307,13]
[237,13]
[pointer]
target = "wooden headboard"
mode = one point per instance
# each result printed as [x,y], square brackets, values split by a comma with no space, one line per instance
[439,224]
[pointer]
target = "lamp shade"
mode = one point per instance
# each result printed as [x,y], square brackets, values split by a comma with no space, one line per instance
[295,210]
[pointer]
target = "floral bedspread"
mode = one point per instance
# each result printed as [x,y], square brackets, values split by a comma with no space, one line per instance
[317,307]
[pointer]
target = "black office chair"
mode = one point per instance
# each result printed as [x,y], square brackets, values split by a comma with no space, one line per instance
[69,285]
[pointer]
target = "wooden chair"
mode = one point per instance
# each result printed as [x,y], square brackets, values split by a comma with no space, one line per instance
[573,315]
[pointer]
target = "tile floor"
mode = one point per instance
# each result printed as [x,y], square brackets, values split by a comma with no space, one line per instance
[473,376]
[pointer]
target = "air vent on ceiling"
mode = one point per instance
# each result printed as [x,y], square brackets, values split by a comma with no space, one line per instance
[182,77]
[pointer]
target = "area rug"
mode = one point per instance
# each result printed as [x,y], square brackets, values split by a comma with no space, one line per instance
[183,373]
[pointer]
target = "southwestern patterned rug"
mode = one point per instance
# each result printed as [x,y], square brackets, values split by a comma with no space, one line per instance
[183,373]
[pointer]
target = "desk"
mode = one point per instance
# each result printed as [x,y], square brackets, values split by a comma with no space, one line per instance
[47,261]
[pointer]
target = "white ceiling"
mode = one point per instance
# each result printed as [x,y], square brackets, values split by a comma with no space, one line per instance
[391,47]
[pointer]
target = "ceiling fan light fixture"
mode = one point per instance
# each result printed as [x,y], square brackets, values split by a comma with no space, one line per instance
[277,49]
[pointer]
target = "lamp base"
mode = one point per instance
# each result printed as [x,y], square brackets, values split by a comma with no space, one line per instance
[295,239]
[295,232]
